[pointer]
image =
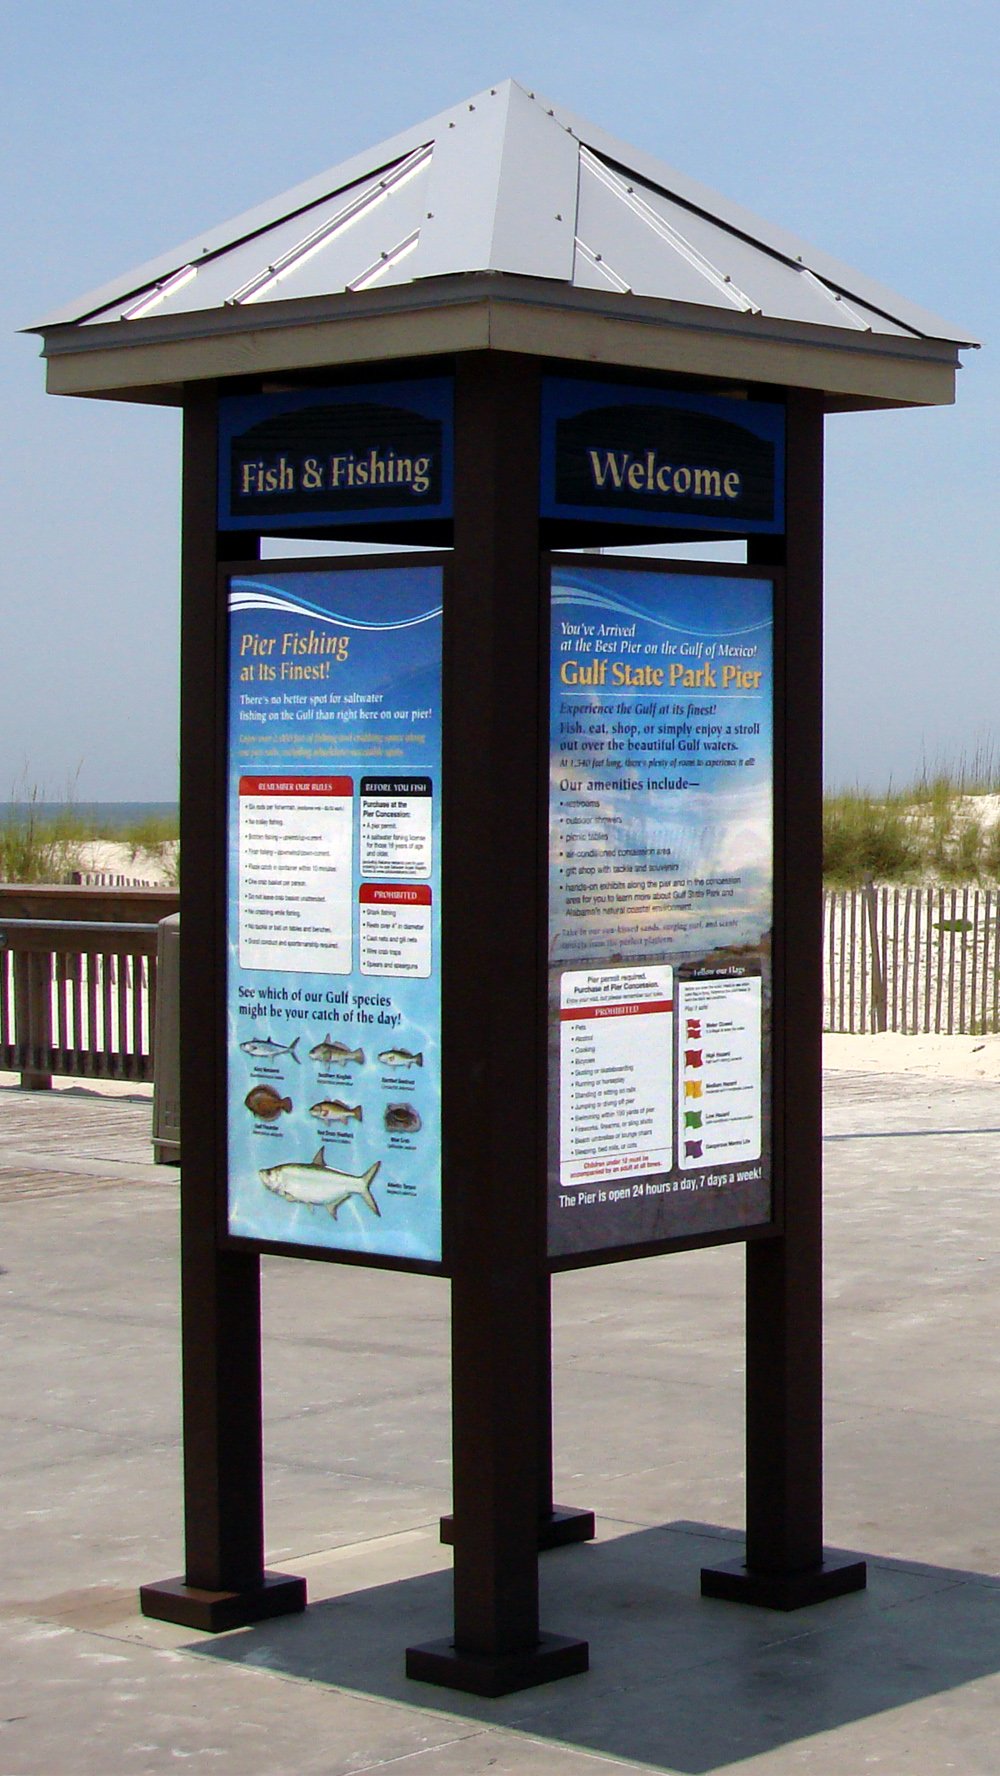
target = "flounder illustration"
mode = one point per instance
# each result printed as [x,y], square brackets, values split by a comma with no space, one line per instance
[267,1104]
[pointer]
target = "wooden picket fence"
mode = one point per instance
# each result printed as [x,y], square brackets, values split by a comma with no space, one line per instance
[916,960]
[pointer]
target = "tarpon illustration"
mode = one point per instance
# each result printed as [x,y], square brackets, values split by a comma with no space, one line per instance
[318,1185]
[265,1049]
[328,1050]
[400,1057]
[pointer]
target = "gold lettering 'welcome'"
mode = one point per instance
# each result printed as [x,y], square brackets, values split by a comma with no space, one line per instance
[621,471]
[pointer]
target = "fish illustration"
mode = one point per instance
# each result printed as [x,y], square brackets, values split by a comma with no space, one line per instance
[400,1057]
[334,1110]
[318,1185]
[264,1102]
[328,1050]
[265,1049]
[402,1118]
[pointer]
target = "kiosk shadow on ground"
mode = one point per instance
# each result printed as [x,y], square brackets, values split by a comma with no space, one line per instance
[677,1681]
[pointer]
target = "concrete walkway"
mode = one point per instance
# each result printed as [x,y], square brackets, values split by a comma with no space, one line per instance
[901,1679]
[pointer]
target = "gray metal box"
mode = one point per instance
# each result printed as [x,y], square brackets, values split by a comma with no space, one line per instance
[167,1045]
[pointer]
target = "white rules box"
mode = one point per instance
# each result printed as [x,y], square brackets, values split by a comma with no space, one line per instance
[396,826]
[616,1066]
[296,839]
[395,929]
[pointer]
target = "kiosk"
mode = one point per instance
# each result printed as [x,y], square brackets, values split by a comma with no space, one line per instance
[501,895]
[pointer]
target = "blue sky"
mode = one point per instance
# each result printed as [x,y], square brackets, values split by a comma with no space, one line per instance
[870,130]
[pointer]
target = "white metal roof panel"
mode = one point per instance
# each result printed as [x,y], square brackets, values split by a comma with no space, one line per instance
[462,190]
[537,201]
[645,253]
[758,281]
[768,235]
[505,182]
[327,244]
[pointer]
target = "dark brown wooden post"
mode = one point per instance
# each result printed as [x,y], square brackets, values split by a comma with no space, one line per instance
[494,1037]
[558,1525]
[33,1015]
[224,1583]
[785,1565]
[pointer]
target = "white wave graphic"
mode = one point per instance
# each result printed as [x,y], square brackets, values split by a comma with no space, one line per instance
[620,608]
[268,598]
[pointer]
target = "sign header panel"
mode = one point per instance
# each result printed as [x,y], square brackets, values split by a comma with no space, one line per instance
[334,912]
[660,908]
[374,453]
[625,455]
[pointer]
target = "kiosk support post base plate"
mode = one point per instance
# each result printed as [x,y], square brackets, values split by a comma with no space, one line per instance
[172,1600]
[497,1674]
[565,1524]
[734,1582]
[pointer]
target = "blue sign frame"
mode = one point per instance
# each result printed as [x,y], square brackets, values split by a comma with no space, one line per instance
[308,459]
[615,453]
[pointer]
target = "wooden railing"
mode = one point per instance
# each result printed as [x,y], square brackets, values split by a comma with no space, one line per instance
[77,997]
[47,900]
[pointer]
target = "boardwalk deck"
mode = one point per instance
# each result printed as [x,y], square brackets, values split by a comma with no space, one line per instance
[75,1139]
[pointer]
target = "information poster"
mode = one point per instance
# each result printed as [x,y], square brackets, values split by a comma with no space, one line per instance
[660,906]
[334,910]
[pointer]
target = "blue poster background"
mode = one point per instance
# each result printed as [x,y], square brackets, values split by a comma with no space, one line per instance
[661,842]
[376,714]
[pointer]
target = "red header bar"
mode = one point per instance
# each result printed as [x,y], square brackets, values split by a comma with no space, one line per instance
[386,894]
[604,1011]
[296,786]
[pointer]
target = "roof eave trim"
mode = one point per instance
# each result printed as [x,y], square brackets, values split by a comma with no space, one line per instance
[463,288]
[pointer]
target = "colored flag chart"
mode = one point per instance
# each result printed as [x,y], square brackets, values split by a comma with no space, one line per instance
[719,1097]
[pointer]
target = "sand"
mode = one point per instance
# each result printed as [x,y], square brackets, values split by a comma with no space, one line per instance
[932,1057]
[106,857]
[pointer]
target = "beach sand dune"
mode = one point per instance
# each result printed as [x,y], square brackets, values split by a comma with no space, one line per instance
[108,857]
